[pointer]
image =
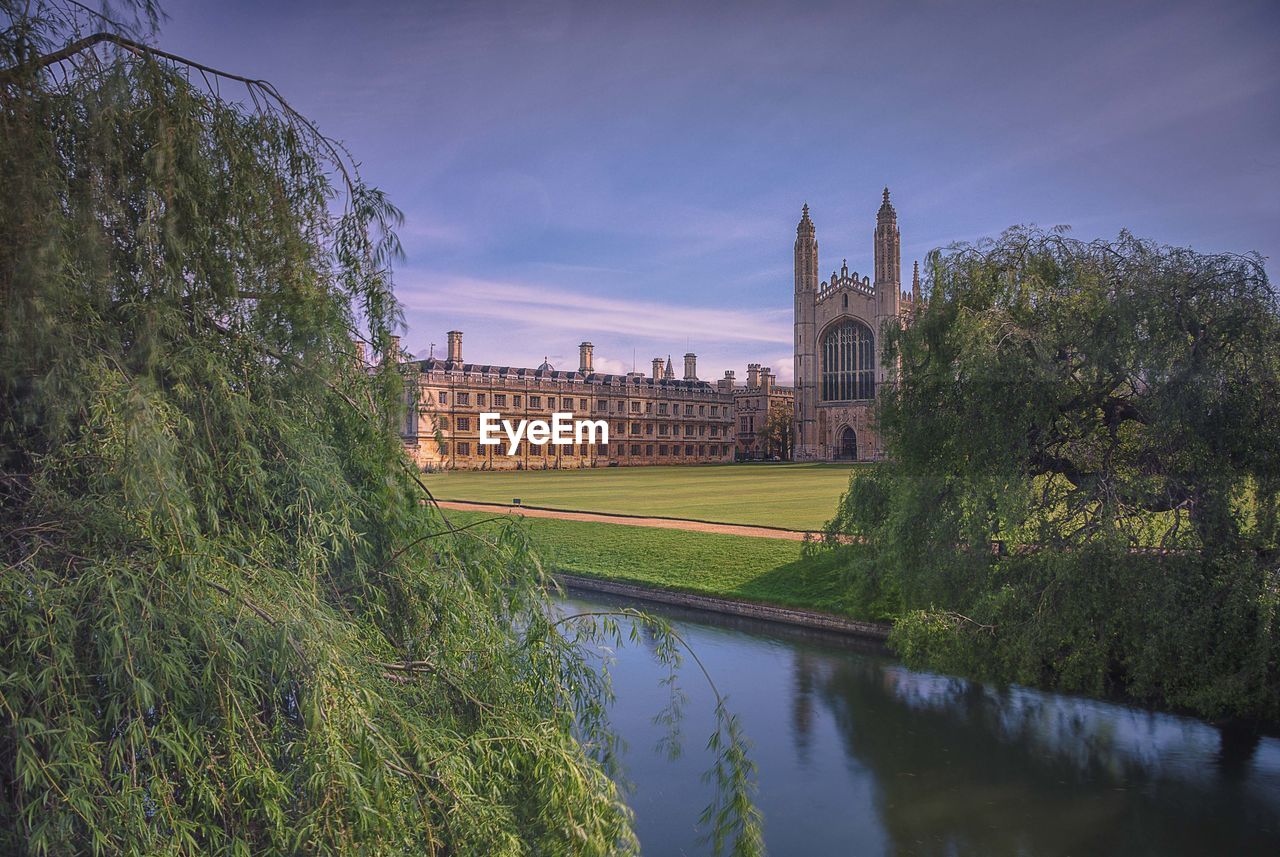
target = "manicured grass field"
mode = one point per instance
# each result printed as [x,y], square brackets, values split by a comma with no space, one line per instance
[794,496]
[767,570]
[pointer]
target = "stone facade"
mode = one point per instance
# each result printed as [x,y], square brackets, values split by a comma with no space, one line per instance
[837,343]
[652,420]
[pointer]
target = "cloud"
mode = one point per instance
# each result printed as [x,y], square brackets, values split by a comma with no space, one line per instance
[582,315]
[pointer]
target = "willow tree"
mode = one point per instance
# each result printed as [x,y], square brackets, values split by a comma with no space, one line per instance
[1108,414]
[228,622]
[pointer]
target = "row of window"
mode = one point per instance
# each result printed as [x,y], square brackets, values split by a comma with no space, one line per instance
[690,430]
[463,399]
[463,448]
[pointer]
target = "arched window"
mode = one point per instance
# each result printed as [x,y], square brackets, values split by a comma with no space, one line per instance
[848,363]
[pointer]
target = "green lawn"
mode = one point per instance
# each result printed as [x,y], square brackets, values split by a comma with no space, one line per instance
[794,496]
[755,569]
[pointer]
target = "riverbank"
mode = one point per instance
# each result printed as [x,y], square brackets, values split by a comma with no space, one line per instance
[755,570]
[810,619]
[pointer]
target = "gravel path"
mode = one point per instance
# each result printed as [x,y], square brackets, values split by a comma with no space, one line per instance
[630,520]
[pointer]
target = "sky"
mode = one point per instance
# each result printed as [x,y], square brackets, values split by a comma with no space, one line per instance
[632,173]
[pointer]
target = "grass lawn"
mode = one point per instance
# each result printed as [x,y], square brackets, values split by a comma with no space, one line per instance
[756,569]
[794,496]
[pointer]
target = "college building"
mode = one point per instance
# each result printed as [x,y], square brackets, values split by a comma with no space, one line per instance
[661,419]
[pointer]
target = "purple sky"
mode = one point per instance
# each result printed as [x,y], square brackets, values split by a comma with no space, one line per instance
[632,173]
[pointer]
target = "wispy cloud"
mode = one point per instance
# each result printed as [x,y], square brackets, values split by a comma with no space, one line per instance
[578,314]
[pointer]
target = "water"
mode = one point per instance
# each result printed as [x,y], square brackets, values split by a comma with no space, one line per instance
[858,755]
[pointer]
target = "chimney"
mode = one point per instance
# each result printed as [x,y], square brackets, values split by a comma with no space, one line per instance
[657,368]
[753,375]
[584,358]
[455,346]
[691,367]
[766,380]
[725,384]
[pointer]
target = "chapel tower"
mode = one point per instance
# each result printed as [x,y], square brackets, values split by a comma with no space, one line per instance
[805,367]
[888,284]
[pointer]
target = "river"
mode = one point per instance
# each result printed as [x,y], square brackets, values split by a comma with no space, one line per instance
[859,755]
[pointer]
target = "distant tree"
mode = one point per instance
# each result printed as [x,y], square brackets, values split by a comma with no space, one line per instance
[778,430]
[1079,401]
[228,622]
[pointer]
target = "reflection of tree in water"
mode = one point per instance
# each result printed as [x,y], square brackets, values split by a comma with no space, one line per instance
[965,769]
[802,671]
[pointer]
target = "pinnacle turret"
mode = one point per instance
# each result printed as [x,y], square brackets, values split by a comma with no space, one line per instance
[805,228]
[887,211]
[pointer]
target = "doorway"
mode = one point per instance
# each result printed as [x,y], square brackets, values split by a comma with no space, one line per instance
[848,445]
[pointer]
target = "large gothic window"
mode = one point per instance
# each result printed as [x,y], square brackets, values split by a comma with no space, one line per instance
[848,363]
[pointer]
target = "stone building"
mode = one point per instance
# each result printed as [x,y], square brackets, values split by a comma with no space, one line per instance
[661,419]
[837,356]
[658,419]
[751,406]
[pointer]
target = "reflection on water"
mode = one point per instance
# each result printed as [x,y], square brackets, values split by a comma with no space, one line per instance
[859,755]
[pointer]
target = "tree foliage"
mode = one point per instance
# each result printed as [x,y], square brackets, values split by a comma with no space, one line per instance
[1108,413]
[228,622]
[778,430]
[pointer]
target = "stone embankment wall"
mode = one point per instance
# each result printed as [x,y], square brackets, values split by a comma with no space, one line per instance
[751,610]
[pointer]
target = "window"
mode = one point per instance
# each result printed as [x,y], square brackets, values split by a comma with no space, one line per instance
[635,407]
[535,402]
[635,449]
[480,399]
[648,449]
[715,410]
[635,428]
[603,406]
[648,429]
[702,431]
[662,449]
[444,447]
[702,410]
[566,404]
[442,397]
[742,425]
[715,431]
[662,429]
[464,423]
[688,429]
[662,408]
[499,400]
[464,398]
[648,407]
[848,363]
[464,448]
[688,449]
[582,404]
[444,423]
[515,401]
[688,410]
